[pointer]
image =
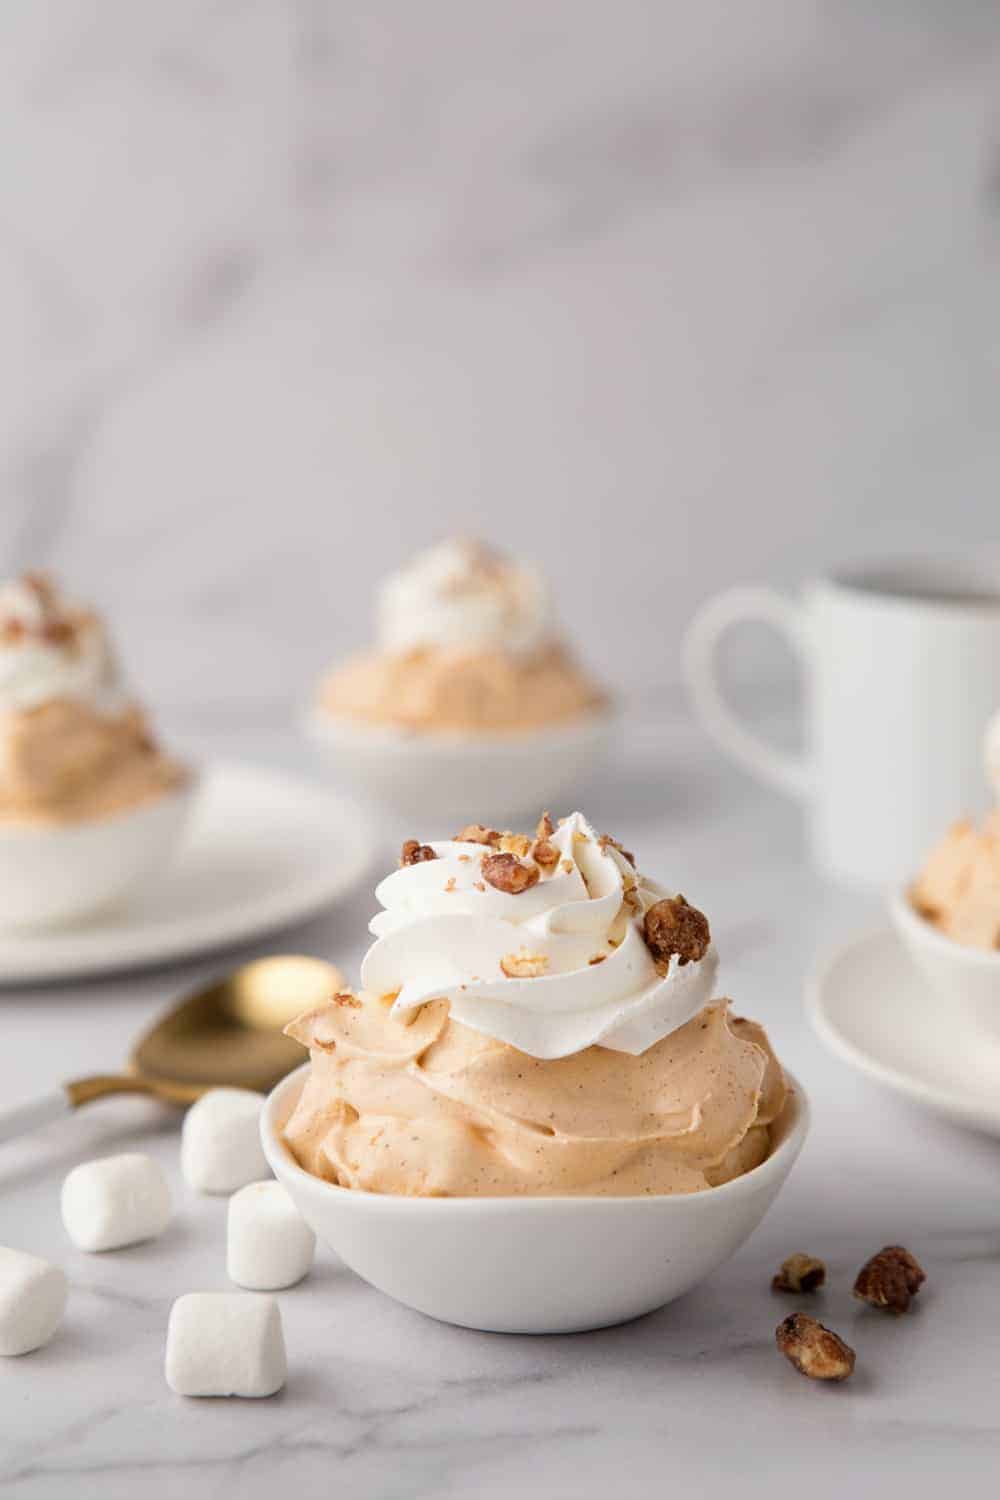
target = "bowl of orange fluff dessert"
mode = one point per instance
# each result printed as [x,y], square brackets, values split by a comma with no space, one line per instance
[536,1113]
[469,697]
[949,916]
[90,806]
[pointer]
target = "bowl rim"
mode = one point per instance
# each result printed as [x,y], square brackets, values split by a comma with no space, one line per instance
[323,726]
[917,932]
[27,828]
[777,1165]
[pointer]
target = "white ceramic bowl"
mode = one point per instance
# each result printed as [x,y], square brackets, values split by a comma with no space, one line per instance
[53,875]
[966,980]
[533,1265]
[486,777]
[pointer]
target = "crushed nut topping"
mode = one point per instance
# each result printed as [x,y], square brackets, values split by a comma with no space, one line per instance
[505,872]
[800,1273]
[545,854]
[814,1350]
[479,885]
[524,965]
[515,843]
[346,998]
[414,852]
[475,833]
[606,841]
[890,1280]
[567,866]
[449,884]
[672,926]
[598,958]
[546,828]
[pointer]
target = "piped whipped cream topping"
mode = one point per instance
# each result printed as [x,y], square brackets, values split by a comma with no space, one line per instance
[49,651]
[551,970]
[460,594]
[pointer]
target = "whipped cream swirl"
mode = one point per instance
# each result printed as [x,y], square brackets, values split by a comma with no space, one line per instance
[50,651]
[460,594]
[445,933]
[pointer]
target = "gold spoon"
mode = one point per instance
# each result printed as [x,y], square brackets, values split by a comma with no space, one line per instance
[228,1033]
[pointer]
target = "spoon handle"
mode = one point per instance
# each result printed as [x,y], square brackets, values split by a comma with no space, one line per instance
[32,1116]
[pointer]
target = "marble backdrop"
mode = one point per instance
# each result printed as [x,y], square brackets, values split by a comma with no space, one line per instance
[670,295]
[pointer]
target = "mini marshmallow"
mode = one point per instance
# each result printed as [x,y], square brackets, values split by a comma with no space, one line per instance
[225,1344]
[32,1301]
[268,1243]
[220,1141]
[116,1201]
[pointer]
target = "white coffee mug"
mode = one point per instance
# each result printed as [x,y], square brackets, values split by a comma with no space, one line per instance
[902,667]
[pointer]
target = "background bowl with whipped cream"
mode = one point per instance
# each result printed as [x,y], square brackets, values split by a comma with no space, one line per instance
[468,698]
[90,807]
[948,918]
[535,1052]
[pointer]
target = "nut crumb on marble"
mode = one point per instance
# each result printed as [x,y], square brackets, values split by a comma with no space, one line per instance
[505,872]
[672,926]
[815,1351]
[414,852]
[890,1280]
[800,1273]
[524,965]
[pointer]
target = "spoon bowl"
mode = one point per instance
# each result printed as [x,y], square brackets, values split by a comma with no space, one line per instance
[227,1034]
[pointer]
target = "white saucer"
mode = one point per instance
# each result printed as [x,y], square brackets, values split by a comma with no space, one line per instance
[871,1007]
[263,850]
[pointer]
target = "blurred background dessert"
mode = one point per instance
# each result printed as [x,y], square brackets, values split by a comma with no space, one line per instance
[465,643]
[74,744]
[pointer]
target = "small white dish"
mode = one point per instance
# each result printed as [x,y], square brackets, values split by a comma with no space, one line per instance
[966,980]
[487,777]
[533,1265]
[53,873]
[262,850]
[875,1010]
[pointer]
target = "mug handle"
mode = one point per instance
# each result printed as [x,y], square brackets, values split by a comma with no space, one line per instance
[789,773]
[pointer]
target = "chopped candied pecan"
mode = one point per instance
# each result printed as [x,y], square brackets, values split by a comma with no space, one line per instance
[524,965]
[475,833]
[57,632]
[598,958]
[672,926]
[546,828]
[12,630]
[505,872]
[414,852]
[347,998]
[545,854]
[449,884]
[890,1280]
[567,865]
[606,842]
[814,1350]
[515,843]
[800,1273]
[479,885]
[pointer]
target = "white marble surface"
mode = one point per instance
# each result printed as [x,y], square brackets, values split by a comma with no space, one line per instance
[382,1402]
[673,296]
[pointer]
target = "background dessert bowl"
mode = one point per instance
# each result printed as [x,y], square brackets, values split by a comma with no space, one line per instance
[438,775]
[55,873]
[531,1264]
[966,979]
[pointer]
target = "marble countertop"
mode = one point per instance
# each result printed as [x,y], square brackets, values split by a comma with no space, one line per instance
[382,1402]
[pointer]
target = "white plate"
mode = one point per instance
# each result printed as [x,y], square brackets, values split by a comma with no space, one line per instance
[263,850]
[872,1007]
